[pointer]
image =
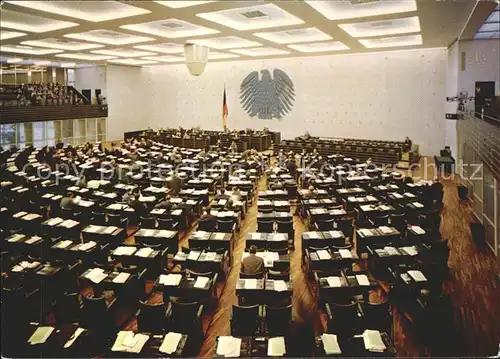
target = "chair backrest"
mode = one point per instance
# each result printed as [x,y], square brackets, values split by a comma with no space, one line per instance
[259,275]
[278,318]
[195,274]
[245,319]
[225,226]
[326,225]
[94,307]
[265,210]
[345,225]
[114,219]
[347,246]
[66,213]
[98,218]
[344,313]
[325,248]
[207,225]
[151,317]
[165,223]
[285,226]
[184,311]
[148,222]
[276,275]
[381,220]
[265,225]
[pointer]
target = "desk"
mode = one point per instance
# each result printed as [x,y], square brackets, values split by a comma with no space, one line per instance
[276,206]
[186,287]
[330,259]
[151,348]
[108,234]
[155,260]
[211,240]
[272,260]
[322,239]
[381,235]
[267,240]
[445,164]
[203,261]
[156,236]
[346,284]
[253,347]
[354,347]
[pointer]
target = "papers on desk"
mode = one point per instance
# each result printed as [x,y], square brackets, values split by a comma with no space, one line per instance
[411,250]
[362,279]
[276,347]
[417,229]
[391,251]
[220,236]
[193,255]
[144,252]
[210,256]
[87,246]
[222,202]
[158,211]
[345,253]
[334,282]
[147,232]
[281,203]
[16,238]
[342,190]
[373,341]
[313,235]
[74,337]
[57,197]
[201,282]
[177,212]
[336,234]
[397,195]
[330,344]
[384,207]
[371,198]
[418,204]
[170,279]
[20,214]
[110,230]
[64,244]
[255,235]
[385,230]
[96,275]
[92,229]
[33,239]
[365,232]
[128,342]
[121,278]
[69,223]
[323,254]
[170,343]
[417,275]
[54,221]
[47,195]
[124,251]
[250,283]
[280,286]
[228,346]
[40,335]
[176,200]
[409,195]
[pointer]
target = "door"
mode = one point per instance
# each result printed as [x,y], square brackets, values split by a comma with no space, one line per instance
[88,96]
[485,94]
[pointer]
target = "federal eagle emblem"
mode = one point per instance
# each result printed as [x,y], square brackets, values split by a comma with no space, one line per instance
[267,97]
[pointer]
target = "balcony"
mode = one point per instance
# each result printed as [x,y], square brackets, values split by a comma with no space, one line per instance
[51,113]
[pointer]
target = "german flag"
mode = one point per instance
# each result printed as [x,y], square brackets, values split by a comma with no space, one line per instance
[225,112]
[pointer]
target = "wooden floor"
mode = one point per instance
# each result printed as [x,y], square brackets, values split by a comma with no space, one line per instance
[472,285]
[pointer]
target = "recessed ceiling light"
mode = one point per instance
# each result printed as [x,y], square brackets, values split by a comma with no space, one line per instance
[396,41]
[340,10]
[89,57]
[95,11]
[382,28]
[253,17]
[124,52]
[181,4]
[133,62]
[109,37]
[27,50]
[42,63]
[260,51]
[166,58]
[14,60]
[320,47]
[166,48]
[5,35]
[294,36]
[212,55]
[62,44]
[31,23]
[67,64]
[170,28]
[223,43]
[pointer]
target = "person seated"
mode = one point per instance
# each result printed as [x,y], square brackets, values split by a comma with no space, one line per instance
[69,201]
[252,264]
[165,204]
[236,195]
[82,182]
[207,216]
[407,145]
[175,183]
[234,147]
[369,161]
[221,194]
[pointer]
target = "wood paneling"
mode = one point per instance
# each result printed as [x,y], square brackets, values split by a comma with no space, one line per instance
[51,113]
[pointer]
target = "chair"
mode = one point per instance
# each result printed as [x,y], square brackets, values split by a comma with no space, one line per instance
[280,250]
[326,225]
[380,221]
[117,220]
[265,210]
[185,317]
[345,225]
[265,225]
[378,316]
[97,307]
[207,225]
[167,223]
[342,318]
[67,308]
[225,226]
[277,319]
[66,213]
[258,275]
[245,320]
[285,226]
[98,218]
[148,222]
[277,275]
[151,318]
[398,221]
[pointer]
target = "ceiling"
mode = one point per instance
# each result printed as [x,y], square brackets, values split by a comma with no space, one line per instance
[147,33]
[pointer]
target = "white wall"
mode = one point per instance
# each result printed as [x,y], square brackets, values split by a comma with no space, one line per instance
[91,78]
[128,102]
[374,96]
[452,71]
[482,59]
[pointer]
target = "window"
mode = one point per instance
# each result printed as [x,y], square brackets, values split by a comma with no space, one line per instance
[67,131]
[81,131]
[39,139]
[101,129]
[489,195]
[24,134]
[91,129]
[7,135]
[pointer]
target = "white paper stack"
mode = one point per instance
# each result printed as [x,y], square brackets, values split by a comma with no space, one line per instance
[170,343]
[210,256]
[280,286]
[92,229]
[334,282]
[417,229]
[228,346]
[410,250]
[201,282]
[193,255]
[313,235]
[177,212]
[362,279]
[373,341]
[87,246]
[64,244]
[144,252]
[74,337]
[33,239]
[126,341]
[220,236]
[397,195]
[365,232]
[323,254]
[330,344]
[250,283]
[385,230]
[418,204]
[336,234]
[276,347]
[124,251]
[170,279]
[96,275]
[391,251]
[121,278]
[345,253]
[417,275]
[16,237]
[20,214]
[40,335]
